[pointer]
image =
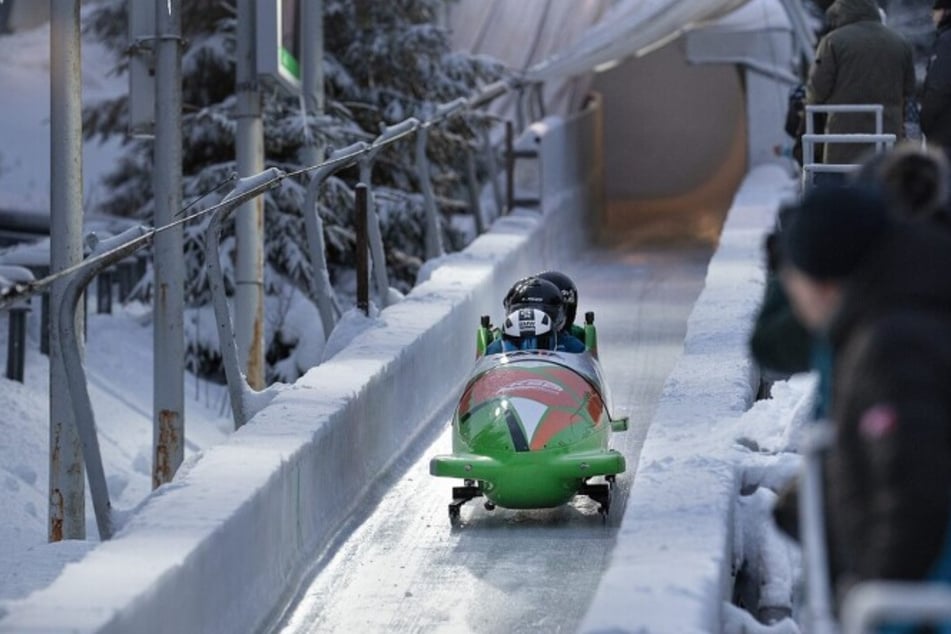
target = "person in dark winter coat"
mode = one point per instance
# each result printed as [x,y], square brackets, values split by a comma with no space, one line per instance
[916,184]
[915,181]
[936,92]
[860,61]
[879,290]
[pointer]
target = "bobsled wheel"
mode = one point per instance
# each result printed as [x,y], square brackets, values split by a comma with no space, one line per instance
[612,480]
[453,514]
[489,506]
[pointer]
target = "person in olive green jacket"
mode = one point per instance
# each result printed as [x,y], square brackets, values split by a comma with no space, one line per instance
[860,61]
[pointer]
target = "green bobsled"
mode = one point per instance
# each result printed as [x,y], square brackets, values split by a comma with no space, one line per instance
[530,430]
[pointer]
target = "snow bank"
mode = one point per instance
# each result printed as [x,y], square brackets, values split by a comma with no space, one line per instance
[220,546]
[671,568]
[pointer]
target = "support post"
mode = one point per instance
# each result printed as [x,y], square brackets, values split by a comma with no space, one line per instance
[249,221]
[126,275]
[312,72]
[493,167]
[434,246]
[361,213]
[818,612]
[375,236]
[168,395]
[16,343]
[104,293]
[472,184]
[509,167]
[323,292]
[67,513]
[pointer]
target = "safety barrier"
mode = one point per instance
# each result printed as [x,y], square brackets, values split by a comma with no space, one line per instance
[871,605]
[809,140]
[110,252]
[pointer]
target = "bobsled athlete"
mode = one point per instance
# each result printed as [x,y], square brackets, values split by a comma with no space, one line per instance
[569,295]
[535,319]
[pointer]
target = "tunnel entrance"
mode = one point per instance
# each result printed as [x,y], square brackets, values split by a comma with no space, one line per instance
[675,148]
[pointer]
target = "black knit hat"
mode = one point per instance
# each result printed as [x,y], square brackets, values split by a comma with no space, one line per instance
[833,229]
[941,4]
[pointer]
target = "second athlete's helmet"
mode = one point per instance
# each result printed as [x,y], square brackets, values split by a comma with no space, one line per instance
[569,293]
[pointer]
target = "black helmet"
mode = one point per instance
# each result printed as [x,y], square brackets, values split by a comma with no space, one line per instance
[534,292]
[569,293]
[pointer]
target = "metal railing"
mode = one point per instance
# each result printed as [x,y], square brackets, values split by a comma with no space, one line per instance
[868,605]
[818,613]
[109,252]
[810,139]
[871,605]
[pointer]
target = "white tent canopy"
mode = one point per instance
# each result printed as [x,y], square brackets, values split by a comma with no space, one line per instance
[630,28]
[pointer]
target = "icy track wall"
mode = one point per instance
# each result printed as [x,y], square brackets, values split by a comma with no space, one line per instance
[223,544]
[671,568]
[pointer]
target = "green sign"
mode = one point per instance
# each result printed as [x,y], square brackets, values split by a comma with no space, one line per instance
[278,41]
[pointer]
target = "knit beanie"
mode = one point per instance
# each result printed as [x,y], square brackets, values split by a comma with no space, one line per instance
[833,229]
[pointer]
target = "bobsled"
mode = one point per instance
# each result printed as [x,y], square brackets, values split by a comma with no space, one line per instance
[530,431]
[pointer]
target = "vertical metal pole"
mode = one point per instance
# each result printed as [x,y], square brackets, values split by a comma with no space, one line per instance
[812,526]
[509,167]
[127,276]
[472,184]
[493,167]
[249,221]
[41,271]
[104,292]
[434,246]
[312,67]
[361,211]
[16,343]
[67,517]
[380,275]
[808,150]
[226,340]
[168,384]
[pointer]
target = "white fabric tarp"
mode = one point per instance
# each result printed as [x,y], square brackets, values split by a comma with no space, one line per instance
[631,28]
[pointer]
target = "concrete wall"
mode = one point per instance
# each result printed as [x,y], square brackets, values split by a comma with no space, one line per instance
[218,548]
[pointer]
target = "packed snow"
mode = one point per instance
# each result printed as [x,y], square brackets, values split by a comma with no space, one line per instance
[25,151]
[118,348]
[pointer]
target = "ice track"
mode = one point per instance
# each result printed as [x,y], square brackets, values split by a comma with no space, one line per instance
[400,567]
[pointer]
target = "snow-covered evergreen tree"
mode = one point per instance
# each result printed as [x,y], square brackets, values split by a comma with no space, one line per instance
[384,61]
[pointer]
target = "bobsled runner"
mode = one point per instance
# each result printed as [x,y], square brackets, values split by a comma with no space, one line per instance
[530,431]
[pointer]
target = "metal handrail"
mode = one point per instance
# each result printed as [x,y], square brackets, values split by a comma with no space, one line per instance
[79,275]
[872,604]
[818,609]
[237,384]
[810,138]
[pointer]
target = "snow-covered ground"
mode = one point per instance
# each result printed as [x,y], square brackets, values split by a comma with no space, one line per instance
[118,349]
[119,366]
[25,118]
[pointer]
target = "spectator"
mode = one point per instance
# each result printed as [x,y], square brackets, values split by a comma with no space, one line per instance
[916,183]
[936,93]
[860,61]
[878,289]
